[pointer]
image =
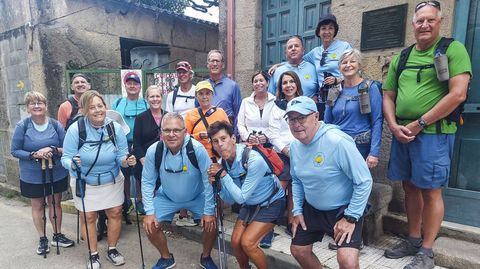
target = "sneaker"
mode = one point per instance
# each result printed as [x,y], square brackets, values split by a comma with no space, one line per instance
[165,263]
[267,240]
[185,221]
[207,263]
[115,257]
[95,262]
[63,241]
[405,248]
[127,206]
[140,208]
[43,246]
[421,261]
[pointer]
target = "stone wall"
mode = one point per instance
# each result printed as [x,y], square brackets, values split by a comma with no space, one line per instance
[39,38]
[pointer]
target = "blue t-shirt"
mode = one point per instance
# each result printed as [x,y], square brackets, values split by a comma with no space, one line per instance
[305,71]
[29,139]
[130,110]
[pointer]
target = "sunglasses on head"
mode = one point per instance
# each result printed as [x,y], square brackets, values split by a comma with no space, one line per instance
[435,4]
[186,65]
[323,60]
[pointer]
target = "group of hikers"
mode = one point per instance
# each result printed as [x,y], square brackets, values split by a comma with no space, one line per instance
[300,145]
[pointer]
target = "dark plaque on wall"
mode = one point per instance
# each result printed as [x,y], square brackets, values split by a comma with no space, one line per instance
[384,28]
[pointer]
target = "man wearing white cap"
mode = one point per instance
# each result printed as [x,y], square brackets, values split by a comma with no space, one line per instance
[182,98]
[330,184]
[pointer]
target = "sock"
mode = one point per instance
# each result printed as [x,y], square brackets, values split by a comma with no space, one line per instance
[416,242]
[427,251]
[110,248]
[94,253]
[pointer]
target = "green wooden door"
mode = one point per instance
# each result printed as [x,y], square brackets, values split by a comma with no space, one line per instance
[283,18]
[462,196]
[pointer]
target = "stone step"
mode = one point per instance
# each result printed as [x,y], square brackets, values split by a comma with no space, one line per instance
[454,253]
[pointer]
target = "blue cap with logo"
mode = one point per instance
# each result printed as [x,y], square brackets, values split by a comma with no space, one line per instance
[301,104]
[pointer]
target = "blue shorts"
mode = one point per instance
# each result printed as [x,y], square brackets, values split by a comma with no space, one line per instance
[425,161]
[269,214]
[165,208]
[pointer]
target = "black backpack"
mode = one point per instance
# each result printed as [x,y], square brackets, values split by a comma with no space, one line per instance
[73,116]
[82,133]
[442,46]
[159,156]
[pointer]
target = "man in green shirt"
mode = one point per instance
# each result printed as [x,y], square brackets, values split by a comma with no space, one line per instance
[416,105]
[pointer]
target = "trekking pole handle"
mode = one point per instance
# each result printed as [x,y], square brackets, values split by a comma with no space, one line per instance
[50,163]
[44,165]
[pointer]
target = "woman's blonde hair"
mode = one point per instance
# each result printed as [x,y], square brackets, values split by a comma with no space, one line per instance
[87,98]
[33,96]
[354,53]
[151,88]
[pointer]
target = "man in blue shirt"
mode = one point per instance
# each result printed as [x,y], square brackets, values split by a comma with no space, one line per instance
[227,92]
[294,51]
[182,186]
[129,107]
[331,184]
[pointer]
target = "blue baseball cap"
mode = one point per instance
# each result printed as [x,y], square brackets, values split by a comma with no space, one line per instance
[301,104]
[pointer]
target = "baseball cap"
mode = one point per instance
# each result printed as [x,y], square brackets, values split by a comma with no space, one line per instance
[326,19]
[183,65]
[301,104]
[204,84]
[131,76]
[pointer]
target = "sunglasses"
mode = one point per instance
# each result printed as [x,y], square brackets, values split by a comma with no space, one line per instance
[435,4]
[323,60]
[172,171]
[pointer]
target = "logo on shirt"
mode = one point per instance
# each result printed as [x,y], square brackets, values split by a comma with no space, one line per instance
[318,160]
[334,55]
[307,77]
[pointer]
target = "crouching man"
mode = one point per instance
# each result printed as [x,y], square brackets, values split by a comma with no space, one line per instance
[181,163]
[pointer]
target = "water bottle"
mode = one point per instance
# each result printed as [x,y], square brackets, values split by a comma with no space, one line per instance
[364,98]
[441,66]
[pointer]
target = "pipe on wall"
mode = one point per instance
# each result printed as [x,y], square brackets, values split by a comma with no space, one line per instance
[231,37]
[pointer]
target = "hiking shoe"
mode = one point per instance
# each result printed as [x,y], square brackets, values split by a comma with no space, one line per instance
[63,241]
[267,240]
[115,257]
[140,208]
[404,248]
[185,221]
[207,263]
[43,246]
[95,262]
[127,206]
[165,263]
[421,261]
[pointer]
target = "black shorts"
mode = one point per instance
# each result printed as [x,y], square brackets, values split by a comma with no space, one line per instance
[270,214]
[30,190]
[320,223]
[285,176]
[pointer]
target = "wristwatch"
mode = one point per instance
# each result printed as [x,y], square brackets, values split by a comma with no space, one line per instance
[350,219]
[422,122]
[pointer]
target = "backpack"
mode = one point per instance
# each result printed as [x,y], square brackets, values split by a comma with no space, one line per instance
[270,156]
[82,132]
[29,120]
[442,46]
[159,156]
[73,115]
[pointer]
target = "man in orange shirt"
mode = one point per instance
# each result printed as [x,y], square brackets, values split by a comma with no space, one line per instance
[69,109]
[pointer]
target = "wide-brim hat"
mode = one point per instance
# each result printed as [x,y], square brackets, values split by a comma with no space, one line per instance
[114,115]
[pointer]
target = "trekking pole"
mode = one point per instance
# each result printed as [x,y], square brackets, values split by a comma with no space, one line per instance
[78,226]
[50,171]
[219,220]
[44,182]
[82,196]
[136,211]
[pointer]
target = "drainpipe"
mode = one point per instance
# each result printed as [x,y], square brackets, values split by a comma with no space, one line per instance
[231,37]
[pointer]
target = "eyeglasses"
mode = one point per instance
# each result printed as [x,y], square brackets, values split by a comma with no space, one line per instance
[175,131]
[323,60]
[183,169]
[300,119]
[435,4]
[37,103]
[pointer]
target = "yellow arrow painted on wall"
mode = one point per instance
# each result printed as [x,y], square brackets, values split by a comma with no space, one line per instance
[20,84]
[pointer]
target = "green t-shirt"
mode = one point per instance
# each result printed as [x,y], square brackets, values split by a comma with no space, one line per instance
[416,98]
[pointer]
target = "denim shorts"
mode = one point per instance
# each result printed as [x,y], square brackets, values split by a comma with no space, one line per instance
[320,223]
[425,161]
[165,208]
[269,214]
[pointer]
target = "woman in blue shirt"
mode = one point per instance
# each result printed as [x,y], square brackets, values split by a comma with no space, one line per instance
[366,128]
[97,158]
[39,137]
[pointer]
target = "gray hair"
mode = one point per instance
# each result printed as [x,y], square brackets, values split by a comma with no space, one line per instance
[172,116]
[214,51]
[354,53]
[439,15]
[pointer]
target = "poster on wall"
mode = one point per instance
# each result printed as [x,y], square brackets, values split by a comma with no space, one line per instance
[135,74]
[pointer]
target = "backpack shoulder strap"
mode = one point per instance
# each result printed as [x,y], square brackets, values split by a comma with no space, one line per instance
[74,105]
[269,163]
[245,156]
[191,153]
[82,132]
[443,44]
[111,133]
[175,93]
[26,122]
[118,102]
[54,124]
[202,117]
[402,61]
[158,155]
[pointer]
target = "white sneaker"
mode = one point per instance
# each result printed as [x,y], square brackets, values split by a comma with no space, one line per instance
[115,257]
[185,221]
[95,262]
